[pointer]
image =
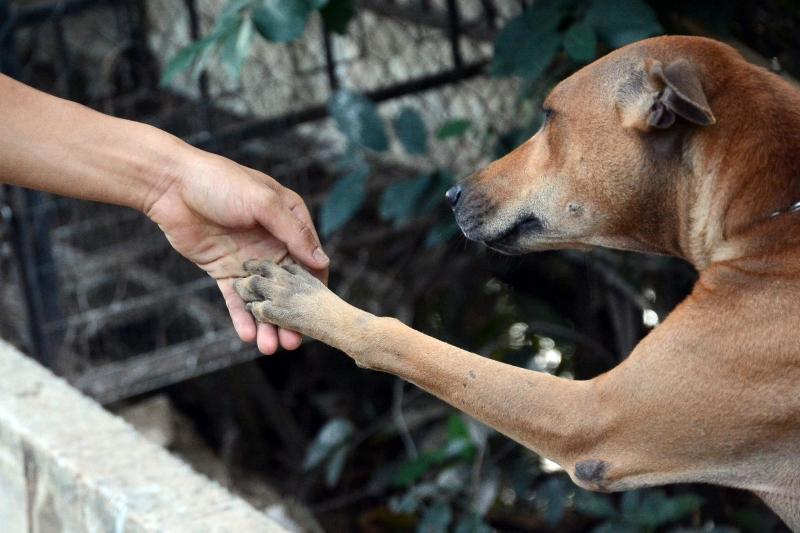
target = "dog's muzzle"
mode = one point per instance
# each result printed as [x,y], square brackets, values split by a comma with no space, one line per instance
[474,213]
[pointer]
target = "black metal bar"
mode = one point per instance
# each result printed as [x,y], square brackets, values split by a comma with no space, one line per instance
[65,75]
[267,127]
[21,233]
[30,222]
[9,62]
[432,19]
[37,14]
[202,81]
[23,244]
[454,33]
[490,12]
[330,59]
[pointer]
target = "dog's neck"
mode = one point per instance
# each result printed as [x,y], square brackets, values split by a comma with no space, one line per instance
[744,178]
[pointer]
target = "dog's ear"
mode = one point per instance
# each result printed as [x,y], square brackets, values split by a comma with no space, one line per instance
[679,93]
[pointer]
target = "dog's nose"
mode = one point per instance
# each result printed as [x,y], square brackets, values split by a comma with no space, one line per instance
[453,194]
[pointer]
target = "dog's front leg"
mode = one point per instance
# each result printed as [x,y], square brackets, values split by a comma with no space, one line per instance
[557,418]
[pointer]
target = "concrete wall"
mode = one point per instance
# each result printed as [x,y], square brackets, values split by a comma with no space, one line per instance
[68,466]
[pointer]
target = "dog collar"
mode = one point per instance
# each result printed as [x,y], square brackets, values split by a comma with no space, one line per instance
[794,208]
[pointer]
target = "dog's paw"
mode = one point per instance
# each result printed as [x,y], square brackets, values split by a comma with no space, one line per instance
[288,295]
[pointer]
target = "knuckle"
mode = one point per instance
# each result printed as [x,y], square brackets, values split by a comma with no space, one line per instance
[292,199]
[270,197]
[307,235]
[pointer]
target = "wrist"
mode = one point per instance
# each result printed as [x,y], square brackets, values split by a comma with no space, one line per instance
[165,167]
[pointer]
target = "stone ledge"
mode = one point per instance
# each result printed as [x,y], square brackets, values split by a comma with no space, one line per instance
[67,465]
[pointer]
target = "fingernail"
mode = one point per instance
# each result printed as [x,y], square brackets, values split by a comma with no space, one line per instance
[320,256]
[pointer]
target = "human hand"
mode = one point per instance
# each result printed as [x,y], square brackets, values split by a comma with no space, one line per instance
[218,214]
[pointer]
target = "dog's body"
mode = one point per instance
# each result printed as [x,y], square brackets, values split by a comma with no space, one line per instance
[670,145]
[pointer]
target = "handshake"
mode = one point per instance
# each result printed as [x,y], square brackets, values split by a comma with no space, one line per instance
[287,295]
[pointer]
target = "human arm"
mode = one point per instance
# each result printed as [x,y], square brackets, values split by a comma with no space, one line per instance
[213,211]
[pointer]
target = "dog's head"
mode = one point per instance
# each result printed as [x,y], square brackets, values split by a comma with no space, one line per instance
[610,148]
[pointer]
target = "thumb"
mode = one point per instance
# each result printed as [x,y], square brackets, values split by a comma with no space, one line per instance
[299,237]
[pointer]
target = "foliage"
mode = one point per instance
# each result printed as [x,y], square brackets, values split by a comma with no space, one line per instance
[453,128]
[331,447]
[640,511]
[529,43]
[410,129]
[345,199]
[278,21]
[359,121]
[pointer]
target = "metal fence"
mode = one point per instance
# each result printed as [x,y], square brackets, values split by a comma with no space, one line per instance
[98,293]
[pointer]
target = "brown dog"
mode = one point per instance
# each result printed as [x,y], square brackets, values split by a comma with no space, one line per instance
[670,145]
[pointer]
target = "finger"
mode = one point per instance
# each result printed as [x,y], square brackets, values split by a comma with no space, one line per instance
[298,207]
[300,238]
[294,203]
[243,321]
[267,341]
[290,340]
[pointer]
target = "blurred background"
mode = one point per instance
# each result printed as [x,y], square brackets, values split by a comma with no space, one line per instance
[370,109]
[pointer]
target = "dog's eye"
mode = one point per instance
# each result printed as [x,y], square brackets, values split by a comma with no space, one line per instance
[548,114]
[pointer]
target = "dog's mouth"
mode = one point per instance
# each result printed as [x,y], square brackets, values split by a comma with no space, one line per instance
[507,242]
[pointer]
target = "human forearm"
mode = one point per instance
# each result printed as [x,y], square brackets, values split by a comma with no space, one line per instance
[57,146]
[213,211]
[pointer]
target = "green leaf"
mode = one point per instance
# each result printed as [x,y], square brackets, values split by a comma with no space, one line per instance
[616,527]
[580,42]
[594,505]
[227,24]
[411,131]
[453,128]
[410,471]
[656,509]
[528,43]
[334,466]
[472,523]
[715,529]
[436,519]
[337,15]
[457,428]
[332,436]
[198,52]
[181,61]
[620,22]
[441,232]
[630,501]
[237,46]
[400,200]
[551,498]
[187,56]
[344,201]
[281,21]
[357,117]
[234,7]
